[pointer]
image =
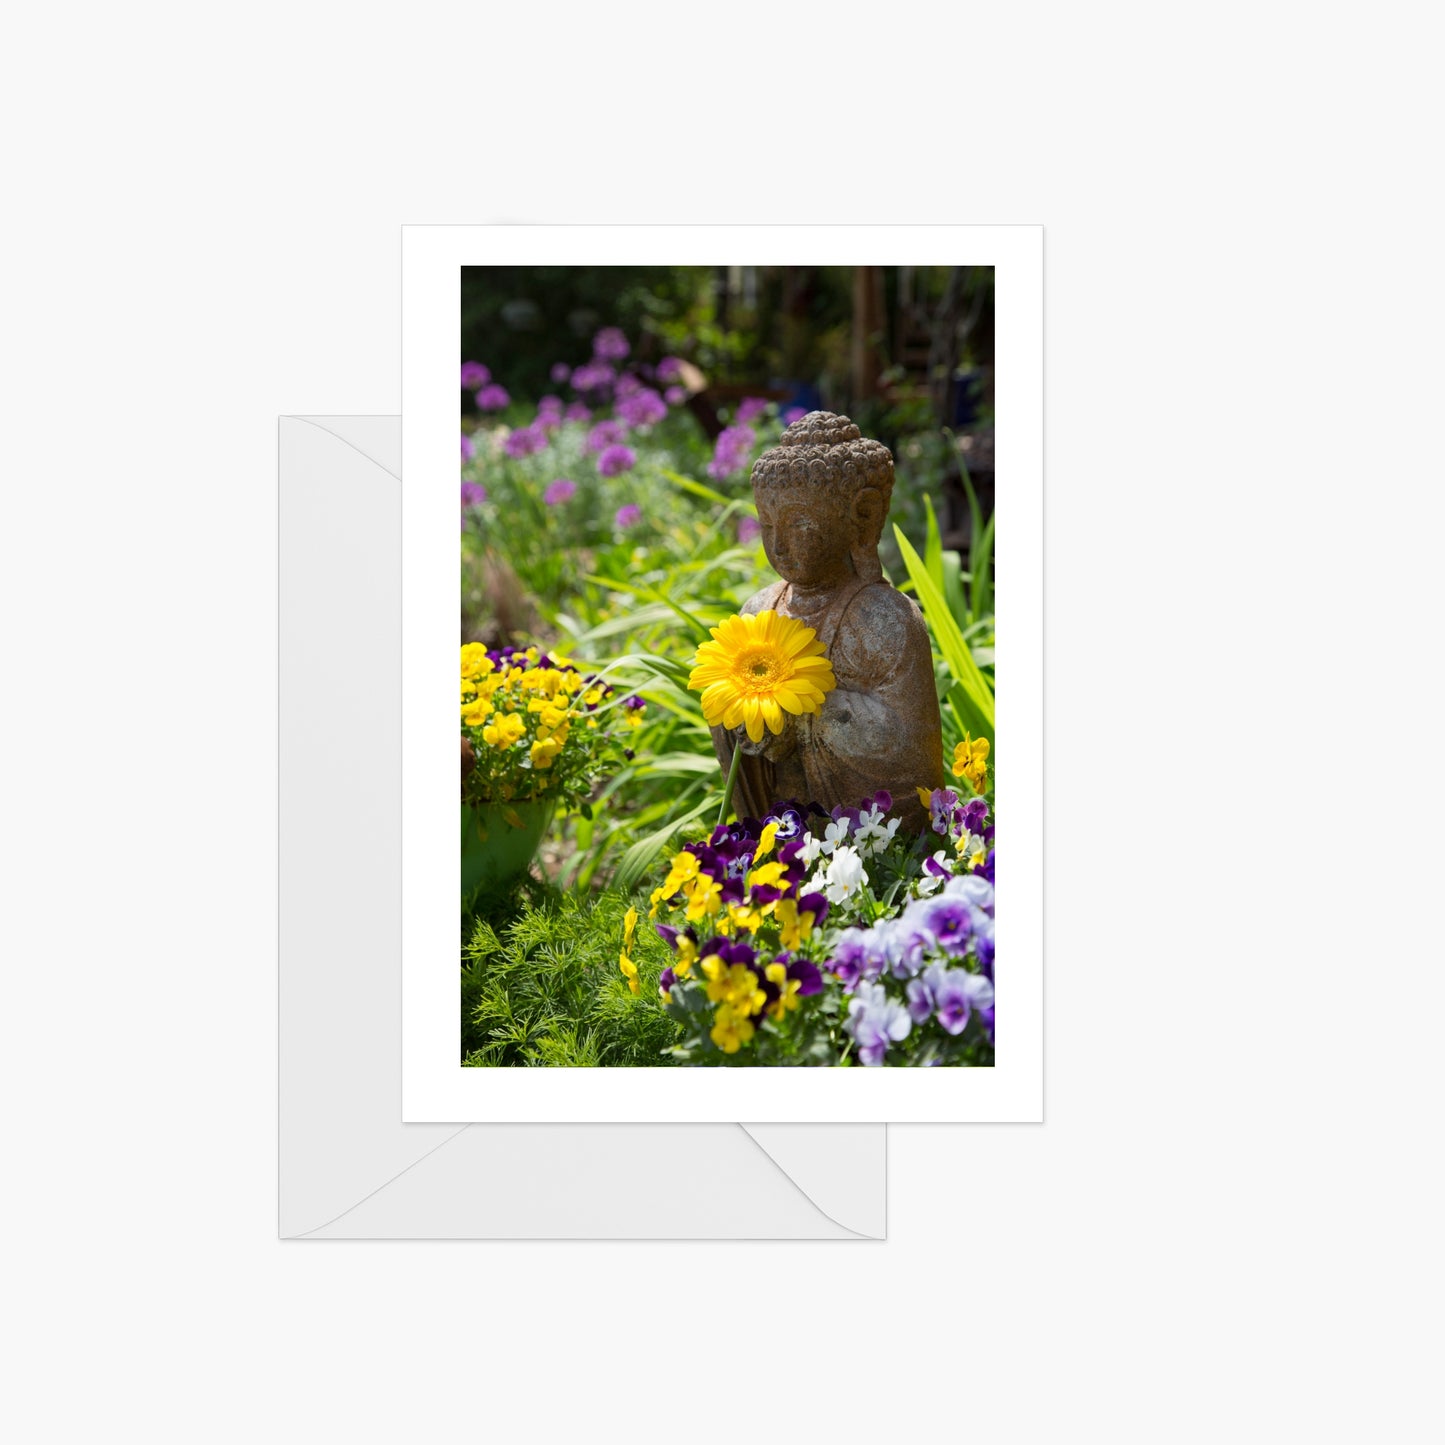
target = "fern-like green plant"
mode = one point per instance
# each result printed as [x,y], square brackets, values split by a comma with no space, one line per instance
[540,986]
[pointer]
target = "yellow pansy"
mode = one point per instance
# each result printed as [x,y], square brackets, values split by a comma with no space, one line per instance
[544,753]
[748,919]
[765,843]
[777,974]
[504,730]
[629,972]
[794,928]
[476,712]
[686,956]
[730,1030]
[970,761]
[475,662]
[705,899]
[769,875]
[629,927]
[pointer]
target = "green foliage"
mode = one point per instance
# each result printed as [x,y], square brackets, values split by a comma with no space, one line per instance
[971,696]
[541,985]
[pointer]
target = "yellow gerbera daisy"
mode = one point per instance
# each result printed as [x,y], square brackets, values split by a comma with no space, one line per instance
[757,668]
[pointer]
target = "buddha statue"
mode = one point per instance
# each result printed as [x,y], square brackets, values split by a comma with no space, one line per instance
[822,497]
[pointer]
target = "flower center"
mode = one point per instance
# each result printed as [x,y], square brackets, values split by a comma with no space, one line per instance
[758,669]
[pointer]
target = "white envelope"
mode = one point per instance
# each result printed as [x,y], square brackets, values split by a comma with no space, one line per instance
[349,1168]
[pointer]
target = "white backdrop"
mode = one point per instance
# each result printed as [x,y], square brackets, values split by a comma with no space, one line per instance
[1228,1226]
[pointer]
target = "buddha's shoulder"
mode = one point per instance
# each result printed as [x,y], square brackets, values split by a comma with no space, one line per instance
[767,597]
[882,629]
[883,610]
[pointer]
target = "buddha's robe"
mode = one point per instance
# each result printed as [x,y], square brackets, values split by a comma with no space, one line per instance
[878,728]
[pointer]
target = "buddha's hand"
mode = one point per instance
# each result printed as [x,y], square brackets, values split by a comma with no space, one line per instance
[773,746]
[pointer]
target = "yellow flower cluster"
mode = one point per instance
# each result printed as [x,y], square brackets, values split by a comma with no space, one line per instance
[523,703]
[734,987]
[970,761]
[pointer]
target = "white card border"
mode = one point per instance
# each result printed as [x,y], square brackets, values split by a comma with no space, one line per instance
[435,1088]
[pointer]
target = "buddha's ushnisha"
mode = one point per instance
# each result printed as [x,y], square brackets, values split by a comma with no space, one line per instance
[822,497]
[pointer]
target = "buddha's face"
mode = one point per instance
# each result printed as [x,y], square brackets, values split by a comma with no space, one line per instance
[807,540]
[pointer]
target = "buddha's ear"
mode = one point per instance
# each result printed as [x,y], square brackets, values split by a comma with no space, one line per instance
[868,513]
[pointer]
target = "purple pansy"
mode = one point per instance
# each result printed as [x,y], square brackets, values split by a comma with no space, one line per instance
[949,919]
[875,1021]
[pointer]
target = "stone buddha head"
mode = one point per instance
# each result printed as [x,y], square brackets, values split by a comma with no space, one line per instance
[822,496]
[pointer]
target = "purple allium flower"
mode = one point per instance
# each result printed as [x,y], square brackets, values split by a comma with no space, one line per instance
[610,344]
[474,374]
[628,516]
[560,373]
[749,530]
[675,395]
[473,494]
[669,368]
[592,376]
[615,460]
[605,434]
[469,448]
[948,918]
[875,1021]
[750,407]
[792,414]
[730,452]
[627,385]
[642,408]
[492,398]
[579,411]
[526,441]
[562,490]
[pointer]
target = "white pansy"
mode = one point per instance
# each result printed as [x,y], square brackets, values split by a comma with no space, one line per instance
[834,834]
[846,875]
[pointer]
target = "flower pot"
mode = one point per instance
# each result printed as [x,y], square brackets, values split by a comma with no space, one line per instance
[499,841]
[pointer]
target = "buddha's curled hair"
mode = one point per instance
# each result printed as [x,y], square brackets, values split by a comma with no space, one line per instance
[825,450]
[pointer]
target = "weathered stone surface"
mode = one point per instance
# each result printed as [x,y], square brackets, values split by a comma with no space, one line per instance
[822,497]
